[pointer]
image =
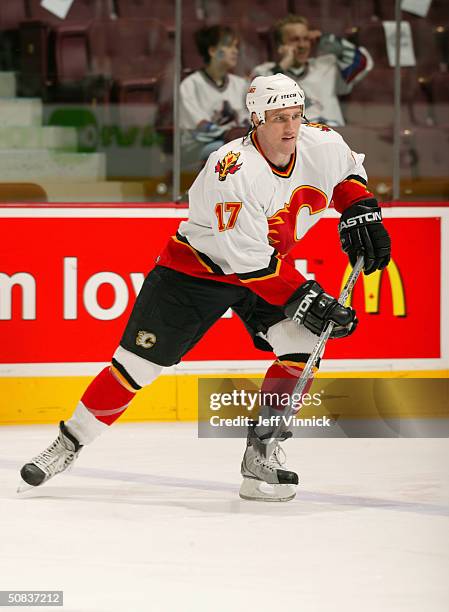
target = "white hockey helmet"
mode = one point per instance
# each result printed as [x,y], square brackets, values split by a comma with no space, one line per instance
[273,92]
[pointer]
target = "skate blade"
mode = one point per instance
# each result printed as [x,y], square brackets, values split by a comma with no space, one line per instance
[257,490]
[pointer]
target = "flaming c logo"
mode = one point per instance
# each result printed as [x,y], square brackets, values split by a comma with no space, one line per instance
[283,227]
[228,165]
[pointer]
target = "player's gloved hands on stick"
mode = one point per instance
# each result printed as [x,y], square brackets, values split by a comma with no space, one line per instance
[362,233]
[311,307]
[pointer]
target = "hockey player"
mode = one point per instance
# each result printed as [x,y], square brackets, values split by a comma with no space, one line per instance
[253,200]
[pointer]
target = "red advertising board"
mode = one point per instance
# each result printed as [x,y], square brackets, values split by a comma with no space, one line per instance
[67,285]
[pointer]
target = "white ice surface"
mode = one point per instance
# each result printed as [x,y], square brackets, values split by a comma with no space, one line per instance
[150,521]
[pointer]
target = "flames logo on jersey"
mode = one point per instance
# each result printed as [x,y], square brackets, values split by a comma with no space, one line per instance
[228,165]
[283,230]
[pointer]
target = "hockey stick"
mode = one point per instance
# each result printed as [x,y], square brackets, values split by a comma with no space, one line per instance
[319,347]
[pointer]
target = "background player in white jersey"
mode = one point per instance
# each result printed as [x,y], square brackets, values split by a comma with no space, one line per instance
[248,206]
[212,99]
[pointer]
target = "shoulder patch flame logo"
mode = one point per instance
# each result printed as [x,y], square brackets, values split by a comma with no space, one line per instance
[322,126]
[228,165]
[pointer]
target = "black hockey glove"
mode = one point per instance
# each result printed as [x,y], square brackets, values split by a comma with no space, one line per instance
[362,233]
[311,307]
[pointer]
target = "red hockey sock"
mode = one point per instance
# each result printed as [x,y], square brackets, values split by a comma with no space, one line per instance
[280,380]
[107,398]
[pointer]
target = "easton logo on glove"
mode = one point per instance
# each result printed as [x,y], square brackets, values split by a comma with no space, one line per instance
[304,306]
[369,217]
[312,307]
[362,233]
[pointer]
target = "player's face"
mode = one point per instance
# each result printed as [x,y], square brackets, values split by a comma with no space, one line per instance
[281,129]
[227,53]
[296,35]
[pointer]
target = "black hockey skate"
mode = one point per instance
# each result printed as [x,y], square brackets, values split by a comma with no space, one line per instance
[59,456]
[264,475]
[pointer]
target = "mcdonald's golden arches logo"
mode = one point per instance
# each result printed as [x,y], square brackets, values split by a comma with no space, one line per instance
[371,289]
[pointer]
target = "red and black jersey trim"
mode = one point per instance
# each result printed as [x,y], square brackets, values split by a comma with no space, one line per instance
[275,283]
[298,358]
[270,270]
[202,256]
[356,177]
[351,190]
[285,172]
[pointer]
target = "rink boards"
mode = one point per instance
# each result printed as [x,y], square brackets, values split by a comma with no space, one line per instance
[69,276]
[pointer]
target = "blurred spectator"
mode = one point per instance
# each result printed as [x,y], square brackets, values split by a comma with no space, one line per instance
[213,107]
[338,66]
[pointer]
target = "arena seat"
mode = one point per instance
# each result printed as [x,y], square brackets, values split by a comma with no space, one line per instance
[72,53]
[136,47]
[12,14]
[33,75]
[191,59]
[372,36]
[77,74]
[359,12]
[40,37]
[306,8]
[194,12]
[384,10]
[334,17]
[137,55]
[163,10]
[259,14]
[198,12]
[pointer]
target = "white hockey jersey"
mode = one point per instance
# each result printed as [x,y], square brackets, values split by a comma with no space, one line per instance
[203,101]
[323,79]
[245,214]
